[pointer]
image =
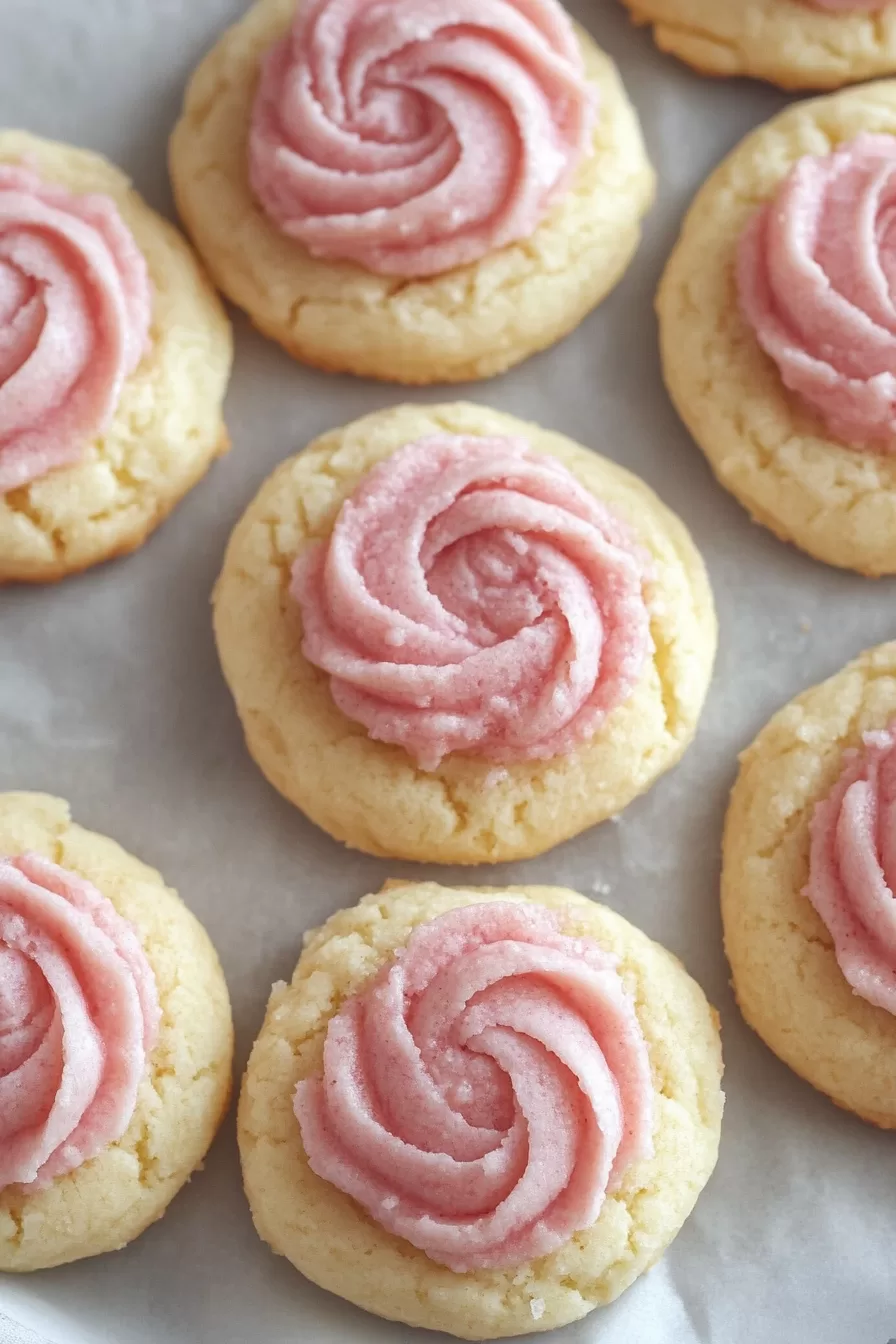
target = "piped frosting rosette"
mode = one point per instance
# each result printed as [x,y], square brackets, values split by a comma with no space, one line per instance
[817,276]
[418,135]
[79,1014]
[852,875]
[486,1091]
[75,307]
[474,597]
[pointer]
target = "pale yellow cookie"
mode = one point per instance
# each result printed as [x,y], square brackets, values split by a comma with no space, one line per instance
[168,427]
[785,974]
[328,1237]
[371,795]
[763,443]
[111,1199]
[789,42]
[469,323]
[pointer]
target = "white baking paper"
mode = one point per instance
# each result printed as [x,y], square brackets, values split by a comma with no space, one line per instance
[110,695]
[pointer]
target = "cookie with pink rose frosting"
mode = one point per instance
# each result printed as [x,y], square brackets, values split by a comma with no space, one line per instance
[115,1040]
[414,192]
[481,1111]
[114,358]
[455,637]
[778,326]
[797,44]
[809,886]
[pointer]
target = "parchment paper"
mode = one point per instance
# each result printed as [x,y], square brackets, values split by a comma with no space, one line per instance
[110,695]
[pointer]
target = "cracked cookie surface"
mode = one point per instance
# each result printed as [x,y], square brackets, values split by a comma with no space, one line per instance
[788,42]
[370,795]
[785,974]
[763,443]
[168,426]
[469,323]
[333,1242]
[112,1198]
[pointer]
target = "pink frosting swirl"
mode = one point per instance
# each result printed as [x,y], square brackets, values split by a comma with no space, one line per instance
[418,135]
[74,321]
[474,597]
[484,1093]
[78,1015]
[852,867]
[816,274]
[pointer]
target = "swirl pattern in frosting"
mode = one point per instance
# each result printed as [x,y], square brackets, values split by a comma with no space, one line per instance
[75,308]
[817,277]
[852,869]
[413,137]
[848,6]
[484,1093]
[79,1013]
[474,597]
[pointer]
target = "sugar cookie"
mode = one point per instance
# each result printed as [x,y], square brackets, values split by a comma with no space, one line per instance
[807,886]
[458,638]
[778,344]
[115,358]
[610,1052]
[443,224]
[798,44]
[117,1043]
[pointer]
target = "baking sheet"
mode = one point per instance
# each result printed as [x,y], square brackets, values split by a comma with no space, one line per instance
[110,695]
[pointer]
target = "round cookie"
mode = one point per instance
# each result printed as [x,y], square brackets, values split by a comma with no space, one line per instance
[371,795]
[110,1199]
[167,428]
[327,1236]
[785,973]
[764,443]
[468,323]
[793,43]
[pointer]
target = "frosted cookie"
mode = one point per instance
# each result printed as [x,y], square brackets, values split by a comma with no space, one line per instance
[416,193]
[458,638]
[798,44]
[480,1111]
[778,326]
[809,881]
[115,1040]
[114,358]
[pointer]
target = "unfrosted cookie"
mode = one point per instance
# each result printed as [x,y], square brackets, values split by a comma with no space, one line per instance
[778,330]
[116,1040]
[115,357]
[363,289]
[528,649]
[610,1050]
[808,882]
[798,44]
